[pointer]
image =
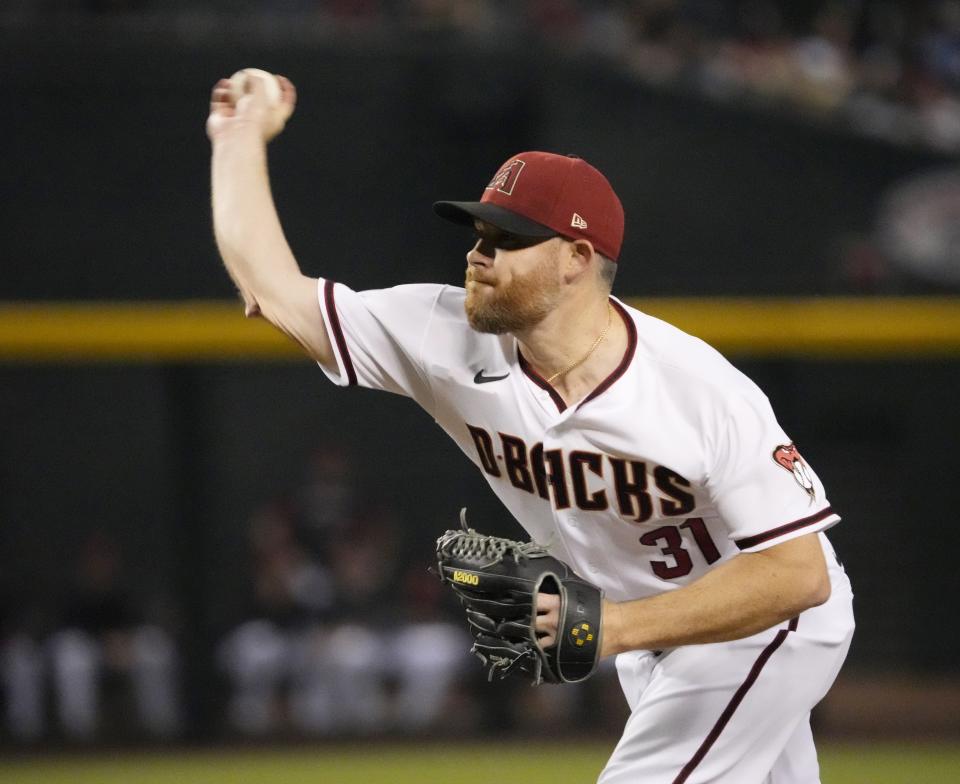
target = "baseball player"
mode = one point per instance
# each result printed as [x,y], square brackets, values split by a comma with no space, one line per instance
[633,452]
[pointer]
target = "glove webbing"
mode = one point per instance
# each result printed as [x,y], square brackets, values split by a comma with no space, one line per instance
[494,549]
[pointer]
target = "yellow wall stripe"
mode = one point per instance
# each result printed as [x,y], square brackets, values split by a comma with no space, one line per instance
[143,331]
[199,331]
[846,327]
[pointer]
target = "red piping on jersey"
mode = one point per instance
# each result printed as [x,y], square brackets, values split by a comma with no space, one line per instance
[735,701]
[338,332]
[540,381]
[773,533]
[627,356]
[620,369]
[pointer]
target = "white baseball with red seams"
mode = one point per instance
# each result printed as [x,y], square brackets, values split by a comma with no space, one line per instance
[672,466]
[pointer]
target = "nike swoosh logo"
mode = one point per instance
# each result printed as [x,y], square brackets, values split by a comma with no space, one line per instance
[482,379]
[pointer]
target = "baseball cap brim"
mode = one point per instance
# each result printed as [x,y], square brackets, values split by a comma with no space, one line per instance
[465,212]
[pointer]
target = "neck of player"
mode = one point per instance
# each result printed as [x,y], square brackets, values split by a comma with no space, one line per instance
[576,346]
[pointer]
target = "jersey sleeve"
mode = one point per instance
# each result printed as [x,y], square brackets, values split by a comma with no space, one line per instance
[378,335]
[763,489]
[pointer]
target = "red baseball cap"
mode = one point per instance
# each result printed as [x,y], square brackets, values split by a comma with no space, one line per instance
[541,194]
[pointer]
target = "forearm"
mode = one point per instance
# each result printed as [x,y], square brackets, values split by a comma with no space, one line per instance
[253,247]
[247,228]
[746,595]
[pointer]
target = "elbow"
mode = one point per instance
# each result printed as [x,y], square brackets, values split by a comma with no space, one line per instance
[803,590]
[816,589]
[804,577]
[251,308]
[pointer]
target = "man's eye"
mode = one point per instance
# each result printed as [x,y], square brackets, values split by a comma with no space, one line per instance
[486,241]
[509,242]
[484,245]
[503,241]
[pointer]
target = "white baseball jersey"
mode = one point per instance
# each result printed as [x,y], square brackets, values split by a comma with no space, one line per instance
[673,464]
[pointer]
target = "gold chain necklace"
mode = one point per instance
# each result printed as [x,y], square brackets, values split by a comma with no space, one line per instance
[592,348]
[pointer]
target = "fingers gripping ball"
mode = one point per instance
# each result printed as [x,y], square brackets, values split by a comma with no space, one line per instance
[239,85]
[497,581]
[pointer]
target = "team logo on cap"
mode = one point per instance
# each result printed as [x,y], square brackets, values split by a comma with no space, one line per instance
[789,458]
[504,180]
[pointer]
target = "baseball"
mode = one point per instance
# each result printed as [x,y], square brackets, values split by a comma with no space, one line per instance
[239,84]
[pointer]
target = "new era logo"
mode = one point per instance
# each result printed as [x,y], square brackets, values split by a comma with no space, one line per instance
[577,222]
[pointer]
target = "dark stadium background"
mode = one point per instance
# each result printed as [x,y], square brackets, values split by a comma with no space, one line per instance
[105,199]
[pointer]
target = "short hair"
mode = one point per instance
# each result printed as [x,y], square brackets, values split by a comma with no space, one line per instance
[607,271]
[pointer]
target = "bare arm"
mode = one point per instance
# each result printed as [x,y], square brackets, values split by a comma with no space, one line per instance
[247,228]
[743,596]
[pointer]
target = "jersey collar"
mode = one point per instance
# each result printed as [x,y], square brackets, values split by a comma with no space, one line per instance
[604,385]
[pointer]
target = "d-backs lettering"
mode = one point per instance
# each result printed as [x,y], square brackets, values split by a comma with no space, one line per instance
[544,472]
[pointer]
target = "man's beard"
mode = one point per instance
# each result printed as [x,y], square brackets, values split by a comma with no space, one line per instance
[516,306]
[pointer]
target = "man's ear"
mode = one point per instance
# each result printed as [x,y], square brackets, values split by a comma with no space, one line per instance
[579,256]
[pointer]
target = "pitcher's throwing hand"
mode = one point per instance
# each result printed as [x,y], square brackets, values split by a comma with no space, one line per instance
[253,109]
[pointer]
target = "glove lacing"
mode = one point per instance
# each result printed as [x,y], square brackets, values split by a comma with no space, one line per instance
[502,666]
[488,550]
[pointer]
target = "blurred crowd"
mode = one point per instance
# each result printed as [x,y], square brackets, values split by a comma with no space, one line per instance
[885,68]
[92,665]
[345,632]
[338,630]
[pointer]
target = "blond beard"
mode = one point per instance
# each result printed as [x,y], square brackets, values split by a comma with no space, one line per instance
[516,306]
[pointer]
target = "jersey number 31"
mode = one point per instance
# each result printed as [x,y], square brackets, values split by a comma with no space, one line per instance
[670,541]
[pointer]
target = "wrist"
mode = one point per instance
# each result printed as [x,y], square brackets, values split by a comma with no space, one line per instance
[610,643]
[241,134]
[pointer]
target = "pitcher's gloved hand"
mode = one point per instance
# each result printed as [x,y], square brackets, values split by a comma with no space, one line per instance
[497,581]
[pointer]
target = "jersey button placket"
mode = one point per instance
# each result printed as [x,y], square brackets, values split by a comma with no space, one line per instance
[562,518]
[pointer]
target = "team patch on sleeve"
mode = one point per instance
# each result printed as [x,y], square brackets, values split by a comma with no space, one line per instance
[787,456]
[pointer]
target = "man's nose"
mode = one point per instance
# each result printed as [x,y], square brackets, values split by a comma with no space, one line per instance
[479,255]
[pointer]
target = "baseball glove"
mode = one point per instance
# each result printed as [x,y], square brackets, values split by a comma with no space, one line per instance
[497,581]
